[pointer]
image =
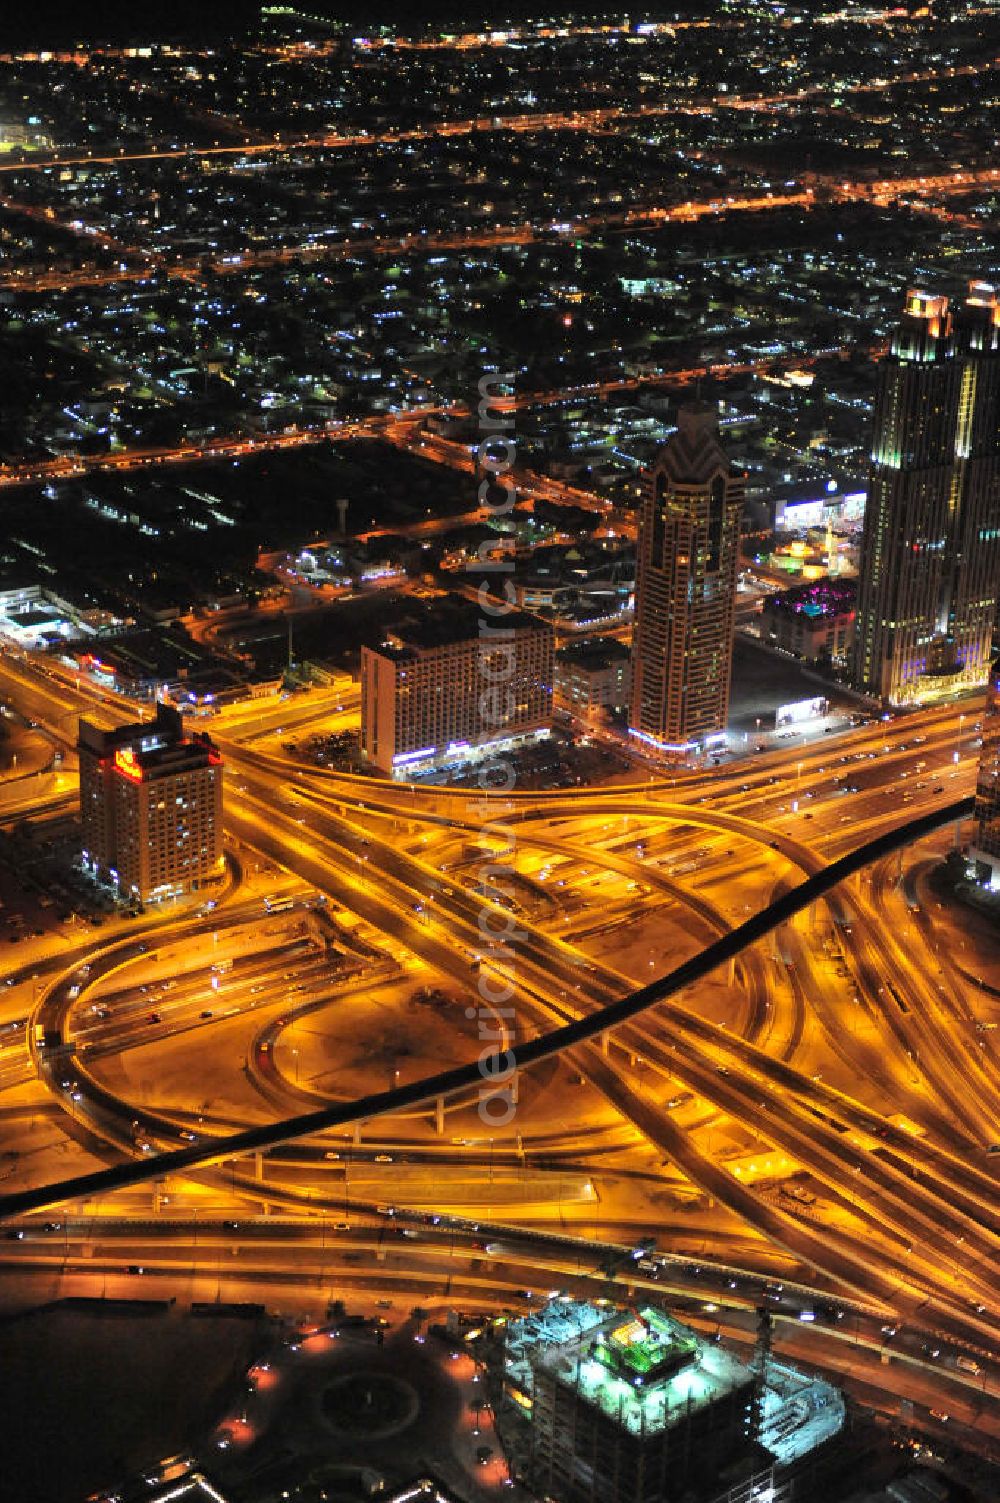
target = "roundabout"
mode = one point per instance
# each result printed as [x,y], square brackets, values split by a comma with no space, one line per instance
[370,1405]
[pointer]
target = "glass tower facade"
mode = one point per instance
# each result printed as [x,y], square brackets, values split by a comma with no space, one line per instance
[985,850]
[930,565]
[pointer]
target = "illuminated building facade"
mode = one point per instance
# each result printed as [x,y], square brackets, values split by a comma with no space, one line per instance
[150,806]
[686,588]
[811,621]
[930,562]
[593,675]
[452,684]
[985,850]
[631,1406]
[637,1410]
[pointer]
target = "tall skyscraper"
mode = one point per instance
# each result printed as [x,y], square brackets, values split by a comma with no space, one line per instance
[930,563]
[150,806]
[985,849]
[689,535]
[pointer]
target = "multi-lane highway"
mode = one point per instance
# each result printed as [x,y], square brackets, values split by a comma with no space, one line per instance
[891,1132]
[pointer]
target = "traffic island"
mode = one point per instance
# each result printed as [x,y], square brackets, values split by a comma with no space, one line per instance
[370,1406]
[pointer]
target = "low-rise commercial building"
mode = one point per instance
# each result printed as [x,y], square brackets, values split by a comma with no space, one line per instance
[36,618]
[812,621]
[593,675]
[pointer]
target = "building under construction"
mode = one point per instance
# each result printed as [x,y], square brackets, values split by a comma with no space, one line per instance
[633,1407]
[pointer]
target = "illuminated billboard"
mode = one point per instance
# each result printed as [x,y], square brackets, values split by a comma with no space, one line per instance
[799,516]
[125,763]
[800,712]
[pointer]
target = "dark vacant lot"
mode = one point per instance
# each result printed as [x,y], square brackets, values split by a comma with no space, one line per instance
[91,1398]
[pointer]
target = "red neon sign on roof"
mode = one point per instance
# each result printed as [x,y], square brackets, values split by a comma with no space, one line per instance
[126,764]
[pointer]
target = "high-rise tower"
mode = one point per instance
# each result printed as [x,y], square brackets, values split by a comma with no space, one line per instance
[686,587]
[930,564]
[151,806]
[985,850]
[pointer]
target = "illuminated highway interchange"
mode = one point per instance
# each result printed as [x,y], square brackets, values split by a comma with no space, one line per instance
[791,1122]
[755,1057]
